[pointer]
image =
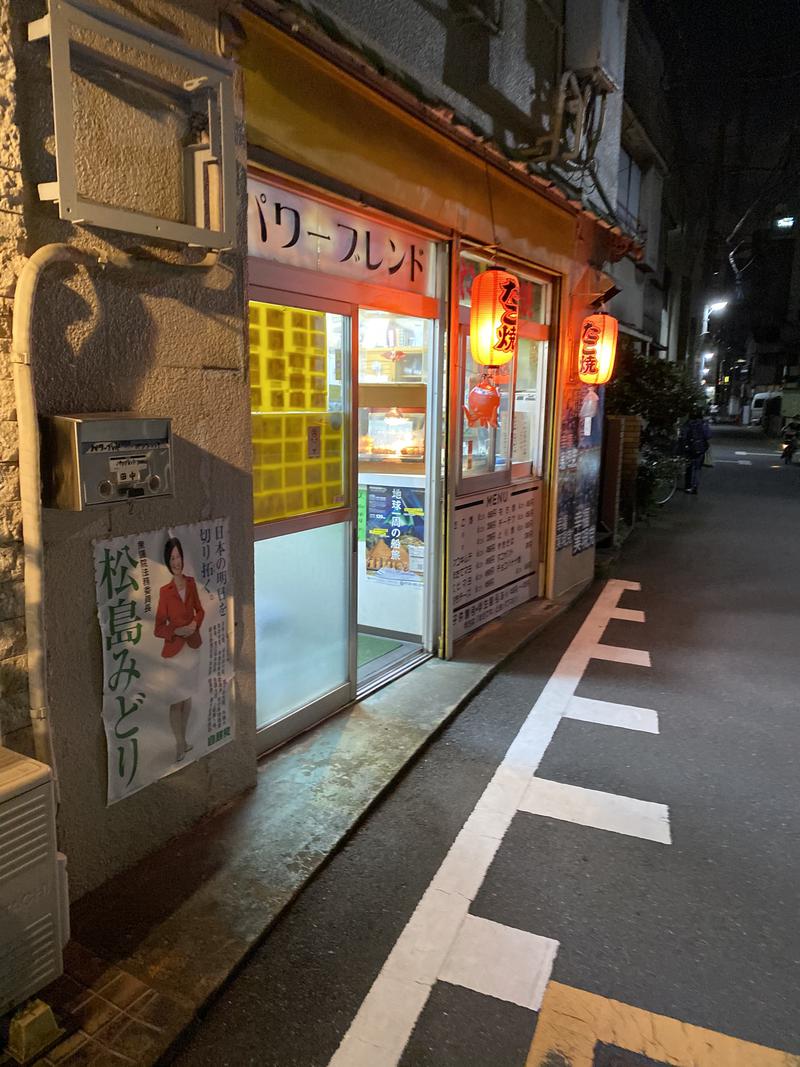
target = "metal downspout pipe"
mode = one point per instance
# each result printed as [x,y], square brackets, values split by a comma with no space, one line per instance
[30,486]
[29,461]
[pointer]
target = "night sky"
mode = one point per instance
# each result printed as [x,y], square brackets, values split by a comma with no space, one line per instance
[734,67]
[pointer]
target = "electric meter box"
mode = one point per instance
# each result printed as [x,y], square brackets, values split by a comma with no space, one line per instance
[104,458]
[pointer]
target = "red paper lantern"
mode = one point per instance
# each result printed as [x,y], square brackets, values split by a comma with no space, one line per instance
[598,348]
[494,318]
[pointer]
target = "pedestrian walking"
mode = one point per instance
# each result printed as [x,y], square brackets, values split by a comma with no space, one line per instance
[695,439]
[708,459]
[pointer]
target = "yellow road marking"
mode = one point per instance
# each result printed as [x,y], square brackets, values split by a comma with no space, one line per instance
[572,1021]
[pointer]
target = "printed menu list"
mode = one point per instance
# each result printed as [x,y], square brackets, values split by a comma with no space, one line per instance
[495,544]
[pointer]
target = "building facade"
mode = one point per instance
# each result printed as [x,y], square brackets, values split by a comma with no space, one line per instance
[378,493]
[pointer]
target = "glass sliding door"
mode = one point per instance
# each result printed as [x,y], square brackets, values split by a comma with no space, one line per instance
[300,366]
[396,510]
[302,654]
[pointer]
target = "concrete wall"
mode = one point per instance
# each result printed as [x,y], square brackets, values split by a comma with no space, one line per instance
[628,305]
[500,81]
[595,37]
[165,345]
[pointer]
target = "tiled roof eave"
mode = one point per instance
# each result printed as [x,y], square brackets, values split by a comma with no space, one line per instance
[296,23]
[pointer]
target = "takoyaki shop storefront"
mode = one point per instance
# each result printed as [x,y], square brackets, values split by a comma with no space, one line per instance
[347,335]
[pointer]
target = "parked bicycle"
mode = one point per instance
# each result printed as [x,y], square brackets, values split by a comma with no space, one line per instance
[660,468]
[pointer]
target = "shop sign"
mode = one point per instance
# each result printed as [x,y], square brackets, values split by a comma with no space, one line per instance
[299,231]
[165,609]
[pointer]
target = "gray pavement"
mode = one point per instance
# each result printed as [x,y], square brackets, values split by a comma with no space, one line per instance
[703,930]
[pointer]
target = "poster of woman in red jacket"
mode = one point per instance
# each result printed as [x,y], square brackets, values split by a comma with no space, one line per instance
[178,620]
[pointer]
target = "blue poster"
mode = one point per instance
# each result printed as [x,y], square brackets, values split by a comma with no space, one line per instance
[395,534]
[579,455]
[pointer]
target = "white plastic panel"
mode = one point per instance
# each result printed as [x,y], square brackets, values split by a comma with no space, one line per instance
[30,905]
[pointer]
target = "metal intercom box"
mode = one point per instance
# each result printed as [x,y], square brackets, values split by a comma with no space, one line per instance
[104,458]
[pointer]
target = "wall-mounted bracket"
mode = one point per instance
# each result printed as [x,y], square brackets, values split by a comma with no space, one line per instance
[209,168]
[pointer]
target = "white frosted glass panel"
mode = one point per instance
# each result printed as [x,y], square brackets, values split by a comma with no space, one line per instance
[302,619]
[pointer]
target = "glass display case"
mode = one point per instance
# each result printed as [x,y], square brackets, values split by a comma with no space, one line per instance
[391,428]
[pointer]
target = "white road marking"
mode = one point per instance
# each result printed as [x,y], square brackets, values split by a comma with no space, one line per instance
[628,614]
[777,453]
[605,713]
[745,462]
[604,811]
[384,1022]
[500,961]
[637,656]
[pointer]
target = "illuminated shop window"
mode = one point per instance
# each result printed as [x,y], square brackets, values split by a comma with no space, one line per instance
[513,448]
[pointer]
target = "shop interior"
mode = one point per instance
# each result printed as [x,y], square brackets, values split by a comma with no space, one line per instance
[395,354]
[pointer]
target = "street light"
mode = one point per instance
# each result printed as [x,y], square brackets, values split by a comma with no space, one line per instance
[712,309]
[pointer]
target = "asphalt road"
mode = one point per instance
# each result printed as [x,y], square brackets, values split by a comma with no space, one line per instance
[684,905]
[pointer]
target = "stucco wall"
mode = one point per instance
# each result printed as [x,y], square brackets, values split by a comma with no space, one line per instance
[628,305]
[501,81]
[13,682]
[172,344]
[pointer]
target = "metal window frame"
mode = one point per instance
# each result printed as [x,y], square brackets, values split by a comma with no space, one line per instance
[513,473]
[207,72]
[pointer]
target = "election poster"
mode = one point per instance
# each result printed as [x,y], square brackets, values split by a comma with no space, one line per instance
[164,603]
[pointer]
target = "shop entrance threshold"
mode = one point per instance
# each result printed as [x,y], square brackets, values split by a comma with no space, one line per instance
[180,922]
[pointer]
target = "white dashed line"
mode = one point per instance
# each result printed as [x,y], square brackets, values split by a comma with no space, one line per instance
[500,961]
[605,713]
[441,937]
[603,811]
[636,656]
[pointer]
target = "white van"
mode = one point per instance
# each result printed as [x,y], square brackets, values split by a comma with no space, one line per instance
[757,407]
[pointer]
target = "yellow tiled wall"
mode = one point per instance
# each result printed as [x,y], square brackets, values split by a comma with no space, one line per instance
[289,395]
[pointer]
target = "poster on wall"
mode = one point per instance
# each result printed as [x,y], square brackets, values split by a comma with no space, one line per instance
[395,534]
[165,608]
[579,468]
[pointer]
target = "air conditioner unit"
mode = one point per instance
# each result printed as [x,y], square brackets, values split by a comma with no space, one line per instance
[34,912]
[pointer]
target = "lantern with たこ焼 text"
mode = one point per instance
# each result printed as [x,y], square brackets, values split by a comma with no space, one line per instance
[493,335]
[598,348]
[494,318]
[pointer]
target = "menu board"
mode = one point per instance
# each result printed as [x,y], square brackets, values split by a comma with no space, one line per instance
[495,553]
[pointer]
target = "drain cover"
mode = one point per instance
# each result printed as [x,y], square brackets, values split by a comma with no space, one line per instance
[611,1056]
